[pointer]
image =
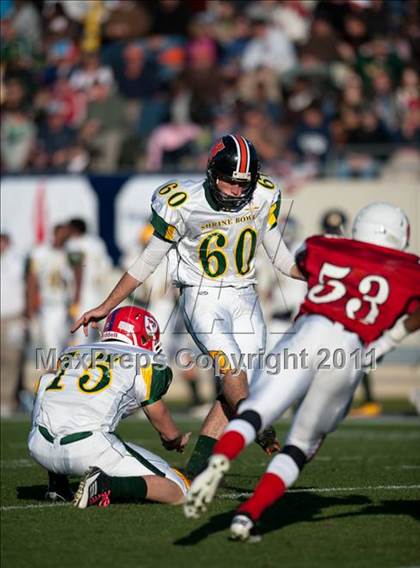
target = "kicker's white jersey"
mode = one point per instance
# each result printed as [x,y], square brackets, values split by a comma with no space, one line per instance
[96,385]
[54,275]
[215,248]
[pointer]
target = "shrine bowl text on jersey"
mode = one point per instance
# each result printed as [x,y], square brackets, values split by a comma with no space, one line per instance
[363,286]
[214,247]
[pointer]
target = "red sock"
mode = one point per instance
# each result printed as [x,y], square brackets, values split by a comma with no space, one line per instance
[270,488]
[230,445]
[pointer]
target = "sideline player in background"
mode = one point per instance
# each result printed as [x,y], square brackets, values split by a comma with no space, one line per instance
[361,292]
[216,226]
[78,409]
[48,289]
[12,303]
[91,264]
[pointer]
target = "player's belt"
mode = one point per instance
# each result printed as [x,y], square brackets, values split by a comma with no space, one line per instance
[69,439]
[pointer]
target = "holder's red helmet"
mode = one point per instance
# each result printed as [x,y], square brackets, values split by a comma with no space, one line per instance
[134,326]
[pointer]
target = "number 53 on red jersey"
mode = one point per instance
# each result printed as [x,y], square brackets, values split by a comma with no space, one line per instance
[364,287]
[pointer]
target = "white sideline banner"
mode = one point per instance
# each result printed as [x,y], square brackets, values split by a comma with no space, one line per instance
[33,204]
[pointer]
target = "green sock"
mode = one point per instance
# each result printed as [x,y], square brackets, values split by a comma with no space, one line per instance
[127,488]
[200,455]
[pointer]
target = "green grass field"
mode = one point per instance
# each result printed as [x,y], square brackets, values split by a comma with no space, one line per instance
[357,504]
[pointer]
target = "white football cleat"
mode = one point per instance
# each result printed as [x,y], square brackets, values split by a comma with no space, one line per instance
[93,490]
[204,486]
[243,529]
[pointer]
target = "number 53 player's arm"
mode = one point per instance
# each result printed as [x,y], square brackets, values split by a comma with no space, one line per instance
[141,269]
[392,337]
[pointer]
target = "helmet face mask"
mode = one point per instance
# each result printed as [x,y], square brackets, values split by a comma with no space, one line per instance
[382,224]
[232,159]
[133,326]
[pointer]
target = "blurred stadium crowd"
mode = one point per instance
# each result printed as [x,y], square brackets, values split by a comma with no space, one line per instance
[320,87]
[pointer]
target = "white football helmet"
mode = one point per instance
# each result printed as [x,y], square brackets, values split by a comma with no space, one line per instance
[382,224]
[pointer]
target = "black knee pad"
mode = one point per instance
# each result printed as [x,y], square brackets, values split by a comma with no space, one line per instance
[296,454]
[252,418]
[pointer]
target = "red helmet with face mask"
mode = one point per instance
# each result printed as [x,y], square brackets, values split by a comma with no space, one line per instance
[134,326]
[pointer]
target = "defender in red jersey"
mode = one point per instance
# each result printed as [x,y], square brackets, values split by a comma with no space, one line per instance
[365,287]
[361,293]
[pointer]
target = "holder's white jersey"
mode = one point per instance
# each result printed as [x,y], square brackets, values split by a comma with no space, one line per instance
[96,385]
[215,248]
[54,275]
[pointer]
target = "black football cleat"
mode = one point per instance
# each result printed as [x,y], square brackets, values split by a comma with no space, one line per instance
[58,488]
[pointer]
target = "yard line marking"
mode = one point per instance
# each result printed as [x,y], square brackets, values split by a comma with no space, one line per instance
[34,506]
[9,464]
[342,458]
[325,459]
[328,490]
[239,495]
[402,466]
[370,435]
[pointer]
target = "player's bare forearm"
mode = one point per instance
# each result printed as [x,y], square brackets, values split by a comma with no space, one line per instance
[161,419]
[124,287]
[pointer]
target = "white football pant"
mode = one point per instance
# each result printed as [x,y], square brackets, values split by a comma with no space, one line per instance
[227,320]
[325,393]
[103,450]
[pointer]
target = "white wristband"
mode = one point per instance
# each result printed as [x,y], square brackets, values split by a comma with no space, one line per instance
[399,331]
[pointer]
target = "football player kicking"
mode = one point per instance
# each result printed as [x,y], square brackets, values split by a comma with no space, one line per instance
[361,292]
[216,226]
[78,409]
